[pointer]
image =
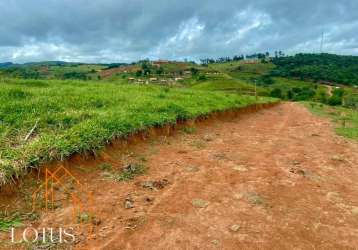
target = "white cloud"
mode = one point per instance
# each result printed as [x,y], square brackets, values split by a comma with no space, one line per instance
[118,30]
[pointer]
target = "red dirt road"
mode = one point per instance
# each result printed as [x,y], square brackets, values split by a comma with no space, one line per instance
[276,179]
[281,176]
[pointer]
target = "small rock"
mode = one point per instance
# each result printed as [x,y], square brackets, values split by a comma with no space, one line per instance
[298,171]
[215,242]
[96,221]
[355,211]
[128,204]
[192,169]
[208,138]
[155,184]
[131,168]
[160,184]
[199,203]
[254,198]
[301,172]
[240,168]
[149,199]
[148,184]
[235,228]
[333,197]
[337,158]
[239,196]
[103,229]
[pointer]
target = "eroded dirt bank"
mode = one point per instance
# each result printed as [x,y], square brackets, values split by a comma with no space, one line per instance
[276,179]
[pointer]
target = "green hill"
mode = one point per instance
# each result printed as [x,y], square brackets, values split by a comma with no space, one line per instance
[319,67]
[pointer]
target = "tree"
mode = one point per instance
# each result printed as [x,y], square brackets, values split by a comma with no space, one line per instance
[266,80]
[138,73]
[194,71]
[351,101]
[336,98]
[159,71]
[276,92]
[290,95]
[146,67]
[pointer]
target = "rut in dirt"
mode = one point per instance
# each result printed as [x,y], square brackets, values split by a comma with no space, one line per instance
[276,179]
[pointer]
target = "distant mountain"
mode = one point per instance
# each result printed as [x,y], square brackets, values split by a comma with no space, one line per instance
[50,63]
[6,64]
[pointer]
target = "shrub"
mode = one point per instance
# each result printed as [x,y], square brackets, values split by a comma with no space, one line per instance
[276,93]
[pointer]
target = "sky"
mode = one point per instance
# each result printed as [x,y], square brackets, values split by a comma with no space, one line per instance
[104,31]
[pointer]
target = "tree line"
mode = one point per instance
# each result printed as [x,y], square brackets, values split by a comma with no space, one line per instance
[327,68]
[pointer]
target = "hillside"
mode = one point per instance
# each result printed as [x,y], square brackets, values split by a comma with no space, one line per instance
[303,77]
[319,68]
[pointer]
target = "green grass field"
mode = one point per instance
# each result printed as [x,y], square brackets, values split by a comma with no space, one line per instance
[77,116]
[346,120]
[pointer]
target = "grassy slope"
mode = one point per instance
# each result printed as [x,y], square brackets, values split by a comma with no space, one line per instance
[346,120]
[229,78]
[75,116]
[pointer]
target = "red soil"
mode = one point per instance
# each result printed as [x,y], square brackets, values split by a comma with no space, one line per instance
[275,179]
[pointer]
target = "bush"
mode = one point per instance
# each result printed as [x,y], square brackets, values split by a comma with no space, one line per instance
[202,78]
[304,94]
[266,80]
[335,100]
[351,101]
[276,93]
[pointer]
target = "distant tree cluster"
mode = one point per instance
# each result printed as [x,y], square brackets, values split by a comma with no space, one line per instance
[75,75]
[221,59]
[259,56]
[115,65]
[22,72]
[318,67]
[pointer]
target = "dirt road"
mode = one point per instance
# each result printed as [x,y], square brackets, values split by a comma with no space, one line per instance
[276,179]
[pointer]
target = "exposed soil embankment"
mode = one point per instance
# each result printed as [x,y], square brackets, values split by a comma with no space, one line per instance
[118,145]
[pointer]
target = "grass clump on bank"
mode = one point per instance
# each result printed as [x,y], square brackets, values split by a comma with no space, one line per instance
[346,120]
[51,120]
[7,223]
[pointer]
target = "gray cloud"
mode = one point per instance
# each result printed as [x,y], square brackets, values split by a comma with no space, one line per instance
[118,30]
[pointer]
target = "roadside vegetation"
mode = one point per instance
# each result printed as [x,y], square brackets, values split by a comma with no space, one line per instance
[345,119]
[319,68]
[43,120]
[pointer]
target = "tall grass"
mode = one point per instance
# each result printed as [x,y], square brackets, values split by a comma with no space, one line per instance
[76,116]
[346,120]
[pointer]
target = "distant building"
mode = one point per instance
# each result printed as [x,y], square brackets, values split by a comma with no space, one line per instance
[251,61]
[160,63]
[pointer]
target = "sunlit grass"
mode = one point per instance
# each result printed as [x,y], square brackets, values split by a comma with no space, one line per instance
[346,120]
[75,116]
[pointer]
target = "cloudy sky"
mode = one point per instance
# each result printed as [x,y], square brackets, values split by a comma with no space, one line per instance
[128,30]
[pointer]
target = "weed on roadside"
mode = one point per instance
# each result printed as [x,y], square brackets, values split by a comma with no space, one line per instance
[127,173]
[105,166]
[8,221]
[189,130]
